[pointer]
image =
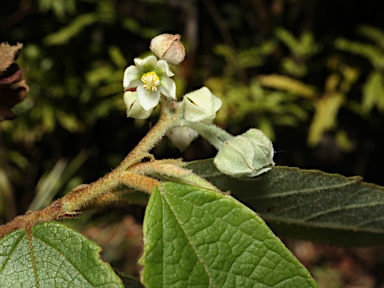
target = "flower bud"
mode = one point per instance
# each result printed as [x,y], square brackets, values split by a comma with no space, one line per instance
[134,109]
[246,155]
[168,47]
[182,136]
[201,106]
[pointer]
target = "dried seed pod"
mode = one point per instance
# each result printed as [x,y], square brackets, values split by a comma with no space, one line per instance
[168,47]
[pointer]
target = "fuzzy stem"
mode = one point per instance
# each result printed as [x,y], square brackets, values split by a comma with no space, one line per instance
[168,119]
[84,195]
[139,182]
[214,134]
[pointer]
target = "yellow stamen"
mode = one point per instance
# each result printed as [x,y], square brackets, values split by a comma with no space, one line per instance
[150,80]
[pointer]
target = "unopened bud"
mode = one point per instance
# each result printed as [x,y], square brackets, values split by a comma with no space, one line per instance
[134,108]
[201,106]
[182,136]
[247,155]
[168,47]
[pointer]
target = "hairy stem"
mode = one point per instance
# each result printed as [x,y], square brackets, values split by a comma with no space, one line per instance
[84,195]
[168,119]
[214,134]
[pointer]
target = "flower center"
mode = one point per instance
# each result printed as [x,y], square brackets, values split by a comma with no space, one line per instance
[150,80]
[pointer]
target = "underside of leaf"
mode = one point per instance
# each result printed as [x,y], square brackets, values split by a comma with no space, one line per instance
[309,204]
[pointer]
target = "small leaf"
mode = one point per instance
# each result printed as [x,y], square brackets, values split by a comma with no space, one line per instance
[327,108]
[52,255]
[373,92]
[117,56]
[373,53]
[309,204]
[373,34]
[287,84]
[63,36]
[199,238]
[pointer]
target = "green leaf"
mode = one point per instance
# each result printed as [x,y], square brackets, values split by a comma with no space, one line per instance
[117,56]
[59,7]
[195,237]
[309,204]
[372,33]
[373,92]
[303,46]
[52,255]
[287,84]
[64,35]
[325,116]
[373,53]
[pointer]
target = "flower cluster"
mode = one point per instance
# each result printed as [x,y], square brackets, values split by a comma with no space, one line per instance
[246,155]
[149,78]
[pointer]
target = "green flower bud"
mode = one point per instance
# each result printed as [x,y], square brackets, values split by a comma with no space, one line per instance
[168,47]
[201,106]
[246,155]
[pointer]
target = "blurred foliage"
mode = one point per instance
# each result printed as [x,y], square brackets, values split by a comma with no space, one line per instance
[373,89]
[300,51]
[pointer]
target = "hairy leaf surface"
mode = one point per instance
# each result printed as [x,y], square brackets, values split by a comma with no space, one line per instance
[309,204]
[196,237]
[52,255]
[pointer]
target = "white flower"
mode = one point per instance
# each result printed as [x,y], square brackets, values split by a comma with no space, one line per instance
[150,77]
[201,106]
[134,109]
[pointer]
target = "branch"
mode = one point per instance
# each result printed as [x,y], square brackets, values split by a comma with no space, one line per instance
[84,195]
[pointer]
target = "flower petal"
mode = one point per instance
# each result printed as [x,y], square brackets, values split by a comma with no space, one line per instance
[168,87]
[217,103]
[131,74]
[201,105]
[149,61]
[134,109]
[162,69]
[147,99]
[196,113]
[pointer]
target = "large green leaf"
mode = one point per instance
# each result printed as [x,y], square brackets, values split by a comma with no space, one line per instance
[195,237]
[309,204]
[52,255]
